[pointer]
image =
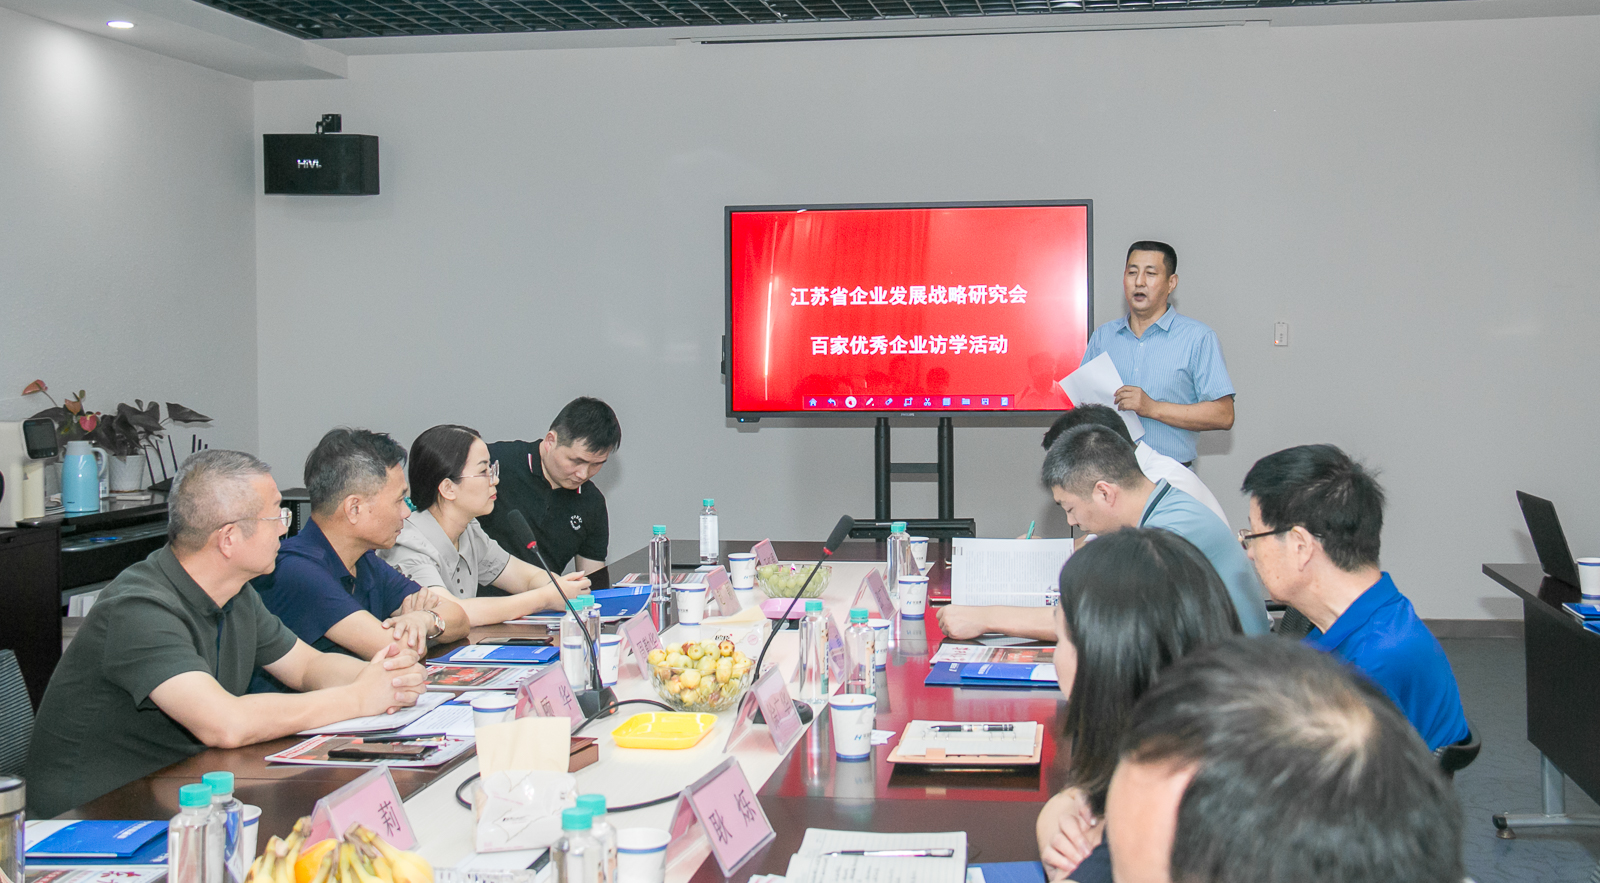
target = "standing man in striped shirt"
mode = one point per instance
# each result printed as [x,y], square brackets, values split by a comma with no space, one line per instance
[1171,365]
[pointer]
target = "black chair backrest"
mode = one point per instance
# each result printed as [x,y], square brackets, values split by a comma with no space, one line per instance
[16,716]
[1293,625]
[1458,756]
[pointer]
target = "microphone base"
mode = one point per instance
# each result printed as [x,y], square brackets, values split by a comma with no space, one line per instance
[591,701]
[803,709]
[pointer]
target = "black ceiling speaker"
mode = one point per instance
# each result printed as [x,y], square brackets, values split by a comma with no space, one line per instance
[322,164]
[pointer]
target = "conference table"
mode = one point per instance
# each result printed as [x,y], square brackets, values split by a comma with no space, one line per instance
[807,788]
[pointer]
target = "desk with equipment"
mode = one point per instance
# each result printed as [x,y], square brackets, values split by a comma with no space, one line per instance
[805,788]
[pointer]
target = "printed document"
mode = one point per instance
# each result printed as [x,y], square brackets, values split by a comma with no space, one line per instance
[809,865]
[1012,573]
[1096,383]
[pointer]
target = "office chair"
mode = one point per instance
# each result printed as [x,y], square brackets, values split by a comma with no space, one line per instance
[1293,624]
[1459,755]
[16,716]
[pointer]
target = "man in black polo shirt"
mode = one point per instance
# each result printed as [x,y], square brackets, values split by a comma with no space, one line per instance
[158,672]
[549,483]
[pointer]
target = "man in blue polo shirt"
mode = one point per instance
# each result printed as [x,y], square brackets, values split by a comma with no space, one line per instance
[330,587]
[1316,517]
[1171,365]
[1093,473]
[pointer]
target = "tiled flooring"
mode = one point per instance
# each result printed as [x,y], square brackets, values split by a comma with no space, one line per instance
[1506,775]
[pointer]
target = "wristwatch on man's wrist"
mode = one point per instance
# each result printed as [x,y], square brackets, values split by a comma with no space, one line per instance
[438,622]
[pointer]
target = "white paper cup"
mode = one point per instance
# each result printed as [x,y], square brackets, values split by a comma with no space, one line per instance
[853,716]
[691,604]
[746,598]
[642,855]
[250,824]
[610,659]
[1589,577]
[881,630]
[493,708]
[742,569]
[913,596]
[919,551]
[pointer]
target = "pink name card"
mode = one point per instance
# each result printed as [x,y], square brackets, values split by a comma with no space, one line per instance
[721,587]
[732,818]
[764,553]
[371,800]
[548,694]
[783,722]
[639,630]
[872,584]
[838,661]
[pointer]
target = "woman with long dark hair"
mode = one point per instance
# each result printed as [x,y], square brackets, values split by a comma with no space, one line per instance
[443,548]
[1132,603]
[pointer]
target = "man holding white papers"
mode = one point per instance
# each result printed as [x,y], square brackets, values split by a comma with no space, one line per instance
[1094,476]
[1171,365]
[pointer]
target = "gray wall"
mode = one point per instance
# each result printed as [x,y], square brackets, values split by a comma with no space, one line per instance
[127,230]
[1420,201]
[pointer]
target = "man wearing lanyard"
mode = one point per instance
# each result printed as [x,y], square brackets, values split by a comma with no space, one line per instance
[1171,365]
[549,482]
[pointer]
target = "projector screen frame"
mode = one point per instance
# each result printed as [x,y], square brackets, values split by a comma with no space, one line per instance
[727,334]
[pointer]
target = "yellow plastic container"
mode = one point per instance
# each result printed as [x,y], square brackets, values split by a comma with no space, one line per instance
[662,729]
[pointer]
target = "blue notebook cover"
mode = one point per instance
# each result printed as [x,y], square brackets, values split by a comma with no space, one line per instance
[1011,872]
[964,674]
[1026,672]
[99,840]
[621,600]
[508,654]
[1583,611]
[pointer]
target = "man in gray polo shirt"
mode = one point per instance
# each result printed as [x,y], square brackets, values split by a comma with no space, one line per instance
[159,670]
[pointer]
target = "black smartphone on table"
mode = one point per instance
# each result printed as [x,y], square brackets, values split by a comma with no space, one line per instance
[380,751]
[518,642]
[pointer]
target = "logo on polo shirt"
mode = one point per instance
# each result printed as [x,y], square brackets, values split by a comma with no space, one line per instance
[577,522]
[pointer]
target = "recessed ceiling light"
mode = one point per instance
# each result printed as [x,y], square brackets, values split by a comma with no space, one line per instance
[119,25]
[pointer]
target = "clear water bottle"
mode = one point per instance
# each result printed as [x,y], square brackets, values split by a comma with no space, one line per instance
[195,843]
[710,548]
[662,610]
[862,675]
[574,649]
[811,675]
[901,561]
[13,828]
[231,810]
[603,831]
[577,855]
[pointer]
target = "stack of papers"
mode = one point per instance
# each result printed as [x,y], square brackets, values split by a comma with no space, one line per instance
[450,678]
[811,865]
[1016,742]
[1011,573]
[950,651]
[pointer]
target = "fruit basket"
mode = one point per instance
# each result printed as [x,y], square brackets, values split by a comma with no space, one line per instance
[784,580]
[701,676]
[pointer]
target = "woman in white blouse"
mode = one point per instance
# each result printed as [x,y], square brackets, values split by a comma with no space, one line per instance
[443,548]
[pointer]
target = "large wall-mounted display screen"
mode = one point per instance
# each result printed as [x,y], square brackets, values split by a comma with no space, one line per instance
[906,308]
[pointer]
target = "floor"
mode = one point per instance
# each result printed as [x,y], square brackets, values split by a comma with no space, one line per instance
[1506,775]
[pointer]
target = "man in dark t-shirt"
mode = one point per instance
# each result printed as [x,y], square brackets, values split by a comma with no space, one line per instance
[159,669]
[549,482]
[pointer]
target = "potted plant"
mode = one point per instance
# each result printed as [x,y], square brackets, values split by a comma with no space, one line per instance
[126,435]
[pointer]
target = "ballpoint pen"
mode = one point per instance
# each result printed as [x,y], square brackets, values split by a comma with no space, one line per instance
[1030,530]
[895,853]
[972,728]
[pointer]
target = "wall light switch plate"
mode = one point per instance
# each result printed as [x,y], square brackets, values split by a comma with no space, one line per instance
[1280,334]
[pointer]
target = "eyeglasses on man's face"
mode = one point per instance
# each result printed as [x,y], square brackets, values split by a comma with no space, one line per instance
[1245,536]
[284,517]
[492,473]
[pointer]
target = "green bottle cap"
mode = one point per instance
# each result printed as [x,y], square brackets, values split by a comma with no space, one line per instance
[898,527]
[594,804]
[194,795]
[858,614]
[813,606]
[708,502]
[221,784]
[576,820]
[659,530]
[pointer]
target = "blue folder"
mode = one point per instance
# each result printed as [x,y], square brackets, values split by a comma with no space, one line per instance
[108,841]
[1011,872]
[621,600]
[510,654]
[985,674]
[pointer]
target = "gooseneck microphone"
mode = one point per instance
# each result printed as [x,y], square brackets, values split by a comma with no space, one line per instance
[834,539]
[592,700]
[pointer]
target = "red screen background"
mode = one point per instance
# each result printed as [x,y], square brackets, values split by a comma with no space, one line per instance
[790,270]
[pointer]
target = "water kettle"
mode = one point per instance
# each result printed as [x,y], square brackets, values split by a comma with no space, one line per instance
[80,477]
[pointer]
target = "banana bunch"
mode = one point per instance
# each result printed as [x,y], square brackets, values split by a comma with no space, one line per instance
[361,857]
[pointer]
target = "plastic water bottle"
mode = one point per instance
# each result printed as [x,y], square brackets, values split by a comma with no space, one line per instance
[195,839]
[234,861]
[811,675]
[578,856]
[603,831]
[710,548]
[662,610]
[862,676]
[574,649]
[901,561]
